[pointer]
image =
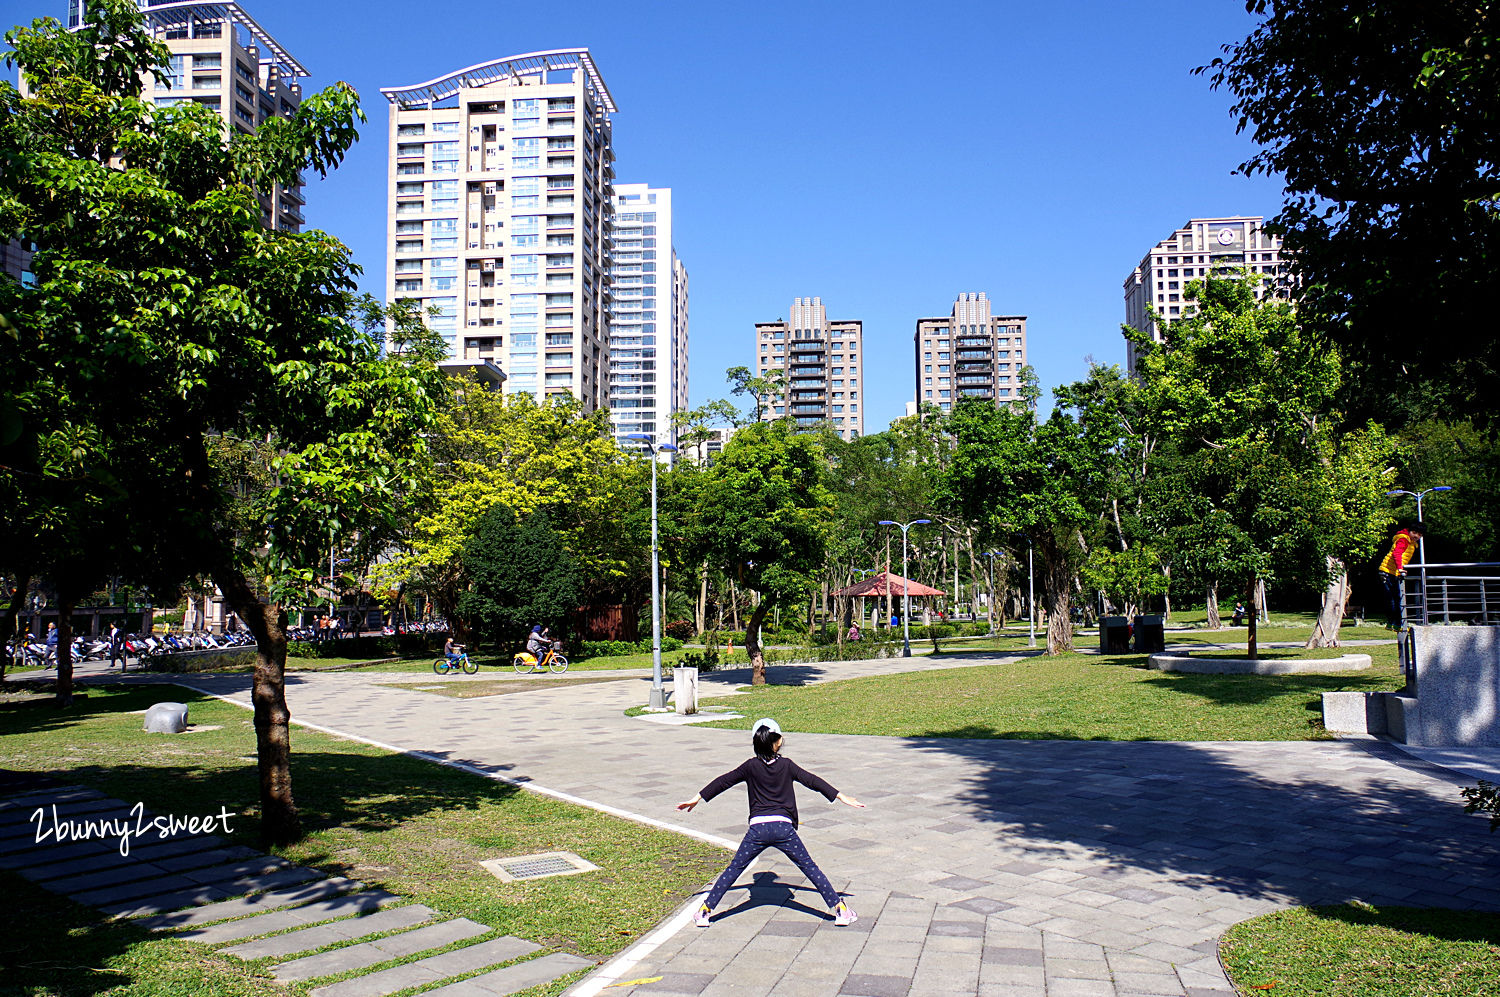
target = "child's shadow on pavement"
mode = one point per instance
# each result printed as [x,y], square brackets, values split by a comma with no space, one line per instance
[767,891]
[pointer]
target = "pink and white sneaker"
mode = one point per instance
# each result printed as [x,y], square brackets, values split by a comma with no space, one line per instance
[701,918]
[843,915]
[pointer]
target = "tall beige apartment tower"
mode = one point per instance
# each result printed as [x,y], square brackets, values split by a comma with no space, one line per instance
[1154,289]
[224,60]
[971,353]
[822,361]
[499,217]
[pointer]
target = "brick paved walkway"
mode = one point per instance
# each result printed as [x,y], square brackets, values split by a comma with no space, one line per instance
[1024,868]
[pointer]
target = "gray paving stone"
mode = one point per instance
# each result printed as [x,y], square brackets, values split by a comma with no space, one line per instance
[957,929]
[678,983]
[511,979]
[202,893]
[982,905]
[274,920]
[961,883]
[1010,956]
[370,953]
[348,929]
[433,969]
[791,929]
[870,985]
[255,904]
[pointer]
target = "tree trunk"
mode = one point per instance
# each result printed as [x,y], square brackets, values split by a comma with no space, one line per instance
[1166,596]
[1215,621]
[888,610]
[1335,597]
[1058,593]
[65,650]
[734,606]
[1260,606]
[12,615]
[1254,619]
[279,823]
[700,616]
[752,642]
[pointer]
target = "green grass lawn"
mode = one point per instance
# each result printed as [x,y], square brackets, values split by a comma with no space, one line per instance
[391,821]
[1072,697]
[1363,951]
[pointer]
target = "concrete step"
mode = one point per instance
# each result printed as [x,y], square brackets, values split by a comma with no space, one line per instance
[114,860]
[368,954]
[511,979]
[259,903]
[147,878]
[30,800]
[209,893]
[346,930]
[275,920]
[433,969]
[23,822]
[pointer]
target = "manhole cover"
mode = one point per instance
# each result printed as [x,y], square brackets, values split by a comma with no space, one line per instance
[520,867]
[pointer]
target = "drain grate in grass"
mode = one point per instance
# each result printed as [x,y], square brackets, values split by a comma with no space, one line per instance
[540,866]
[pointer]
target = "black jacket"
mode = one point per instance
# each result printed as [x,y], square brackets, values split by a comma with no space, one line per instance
[770,786]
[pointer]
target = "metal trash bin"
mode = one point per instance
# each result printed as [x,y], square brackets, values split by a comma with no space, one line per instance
[1114,635]
[1150,636]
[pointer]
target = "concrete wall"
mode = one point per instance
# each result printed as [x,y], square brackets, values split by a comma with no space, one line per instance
[1456,687]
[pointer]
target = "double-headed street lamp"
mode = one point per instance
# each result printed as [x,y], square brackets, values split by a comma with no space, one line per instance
[1421,539]
[905,584]
[658,693]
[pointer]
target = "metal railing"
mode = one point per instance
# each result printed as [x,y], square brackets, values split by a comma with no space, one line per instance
[1451,593]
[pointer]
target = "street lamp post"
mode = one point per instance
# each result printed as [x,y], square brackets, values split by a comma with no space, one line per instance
[1421,540]
[905,583]
[658,699]
[990,556]
[1030,595]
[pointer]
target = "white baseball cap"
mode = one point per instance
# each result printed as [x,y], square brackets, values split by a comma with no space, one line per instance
[767,722]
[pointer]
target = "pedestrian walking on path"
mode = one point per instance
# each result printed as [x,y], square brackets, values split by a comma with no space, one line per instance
[770,782]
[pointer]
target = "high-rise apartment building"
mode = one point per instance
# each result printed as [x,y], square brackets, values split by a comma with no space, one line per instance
[222,59]
[971,353]
[648,329]
[822,362]
[500,184]
[1154,289]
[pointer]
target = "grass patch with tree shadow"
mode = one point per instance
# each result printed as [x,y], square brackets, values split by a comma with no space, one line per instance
[1068,697]
[389,820]
[1355,950]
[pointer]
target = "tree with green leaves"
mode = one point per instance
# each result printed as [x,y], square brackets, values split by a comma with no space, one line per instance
[1012,473]
[1384,120]
[1260,482]
[520,575]
[494,449]
[763,515]
[165,310]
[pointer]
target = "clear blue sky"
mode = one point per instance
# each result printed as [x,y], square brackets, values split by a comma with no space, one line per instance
[884,157]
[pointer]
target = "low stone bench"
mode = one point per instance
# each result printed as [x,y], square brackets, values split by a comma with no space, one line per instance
[1264,666]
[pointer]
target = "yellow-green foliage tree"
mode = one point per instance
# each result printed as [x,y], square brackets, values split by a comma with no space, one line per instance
[495,449]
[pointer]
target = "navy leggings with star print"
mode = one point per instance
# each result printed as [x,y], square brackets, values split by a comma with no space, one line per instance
[772,834]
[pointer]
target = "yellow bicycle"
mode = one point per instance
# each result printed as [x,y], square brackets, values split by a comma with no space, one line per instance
[554,660]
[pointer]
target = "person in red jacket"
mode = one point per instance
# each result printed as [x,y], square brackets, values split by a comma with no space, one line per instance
[1393,569]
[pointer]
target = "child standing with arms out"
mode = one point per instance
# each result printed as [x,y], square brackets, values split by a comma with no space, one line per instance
[770,781]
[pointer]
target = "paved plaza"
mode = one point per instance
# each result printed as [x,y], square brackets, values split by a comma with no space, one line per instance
[1024,868]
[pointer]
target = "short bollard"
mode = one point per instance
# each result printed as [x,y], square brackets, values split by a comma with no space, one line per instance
[685,688]
[166,718]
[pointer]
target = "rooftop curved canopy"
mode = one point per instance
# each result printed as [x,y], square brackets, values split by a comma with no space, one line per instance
[509,67]
[886,583]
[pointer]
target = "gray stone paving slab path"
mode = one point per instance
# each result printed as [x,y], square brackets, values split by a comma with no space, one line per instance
[259,903]
[1092,867]
[423,939]
[198,893]
[347,929]
[511,979]
[282,919]
[433,969]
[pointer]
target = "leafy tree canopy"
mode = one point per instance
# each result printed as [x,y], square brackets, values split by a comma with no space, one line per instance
[520,575]
[1384,118]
